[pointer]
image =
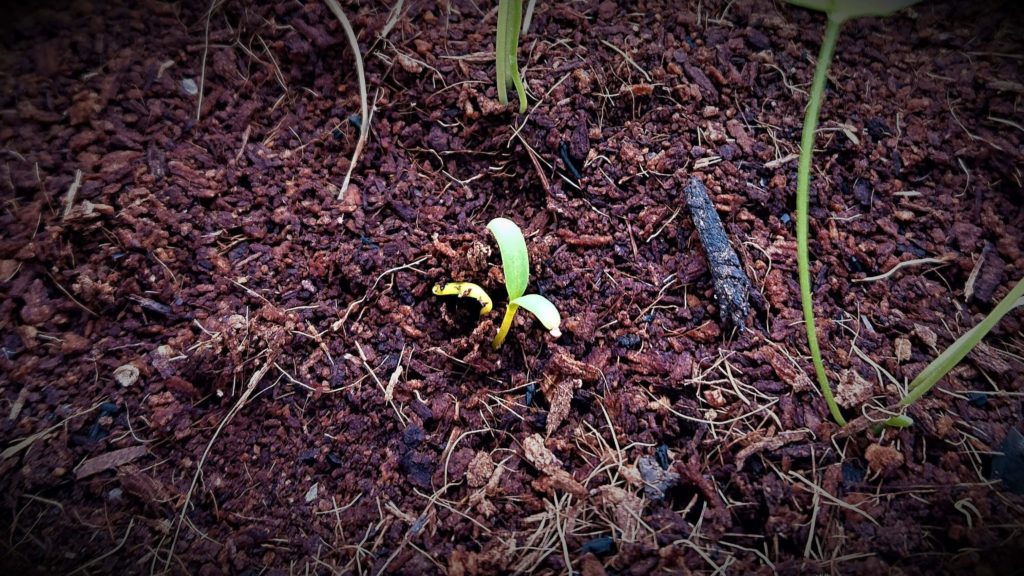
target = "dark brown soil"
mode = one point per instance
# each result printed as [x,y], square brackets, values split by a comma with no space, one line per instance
[199,343]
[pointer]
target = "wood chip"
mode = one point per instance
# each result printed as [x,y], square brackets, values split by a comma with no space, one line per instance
[555,478]
[480,469]
[69,198]
[927,335]
[884,460]
[625,508]
[537,453]
[559,395]
[852,389]
[902,349]
[109,461]
[19,403]
[566,365]
[773,443]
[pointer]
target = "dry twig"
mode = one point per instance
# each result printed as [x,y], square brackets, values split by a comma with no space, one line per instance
[364,113]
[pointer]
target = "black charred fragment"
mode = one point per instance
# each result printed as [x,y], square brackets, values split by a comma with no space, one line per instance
[629,341]
[1008,464]
[151,305]
[977,399]
[563,152]
[732,287]
[600,546]
[661,455]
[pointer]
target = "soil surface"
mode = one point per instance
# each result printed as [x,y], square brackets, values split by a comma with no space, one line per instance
[211,364]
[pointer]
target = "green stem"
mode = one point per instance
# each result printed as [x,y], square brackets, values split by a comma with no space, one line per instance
[828,46]
[952,356]
[501,50]
[514,20]
[506,324]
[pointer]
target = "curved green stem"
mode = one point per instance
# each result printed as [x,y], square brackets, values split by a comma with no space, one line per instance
[828,46]
[952,356]
[514,19]
[506,324]
[501,52]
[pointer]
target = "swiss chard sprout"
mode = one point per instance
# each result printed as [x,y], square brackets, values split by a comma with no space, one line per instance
[506,51]
[838,11]
[515,262]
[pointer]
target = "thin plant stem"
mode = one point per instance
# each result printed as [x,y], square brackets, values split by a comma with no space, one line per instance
[506,324]
[528,16]
[501,51]
[515,17]
[952,356]
[828,46]
[364,113]
[506,51]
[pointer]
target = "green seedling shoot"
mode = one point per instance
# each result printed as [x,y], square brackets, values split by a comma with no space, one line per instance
[506,51]
[515,262]
[838,11]
[952,356]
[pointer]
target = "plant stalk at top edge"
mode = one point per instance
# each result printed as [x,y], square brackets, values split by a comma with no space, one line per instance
[828,46]
[501,52]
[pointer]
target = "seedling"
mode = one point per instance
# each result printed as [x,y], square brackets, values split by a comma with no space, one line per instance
[515,262]
[506,51]
[951,356]
[838,11]
[466,290]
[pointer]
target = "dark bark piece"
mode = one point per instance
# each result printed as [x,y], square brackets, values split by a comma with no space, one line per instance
[579,141]
[1008,465]
[993,270]
[732,287]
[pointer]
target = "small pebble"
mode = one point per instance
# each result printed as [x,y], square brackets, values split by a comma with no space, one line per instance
[661,454]
[630,341]
[312,493]
[531,390]
[126,375]
[977,399]
[600,546]
[189,86]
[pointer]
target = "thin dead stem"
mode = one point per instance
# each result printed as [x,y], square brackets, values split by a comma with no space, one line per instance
[364,113]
